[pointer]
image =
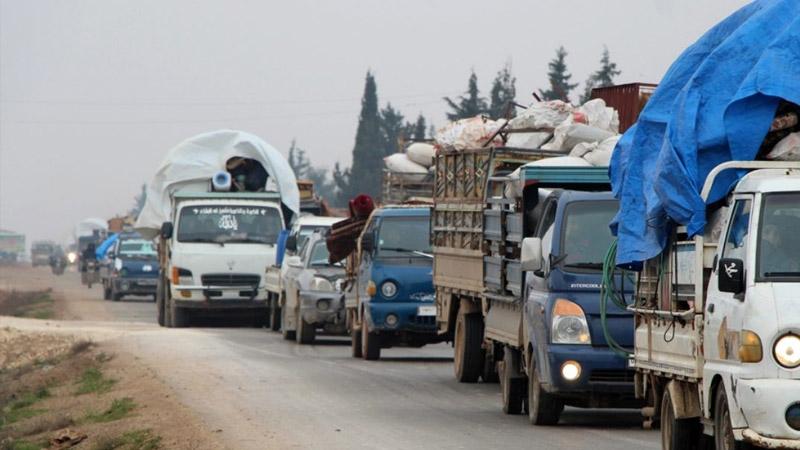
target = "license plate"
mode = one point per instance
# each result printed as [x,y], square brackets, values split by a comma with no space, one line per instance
[426,310]
[147,282]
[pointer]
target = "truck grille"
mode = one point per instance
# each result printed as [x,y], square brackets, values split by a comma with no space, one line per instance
[230,279]
[612,376]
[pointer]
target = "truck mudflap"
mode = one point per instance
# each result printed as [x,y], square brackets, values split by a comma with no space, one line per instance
[764,403]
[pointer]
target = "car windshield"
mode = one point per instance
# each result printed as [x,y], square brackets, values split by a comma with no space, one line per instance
[306,231]
[586,237]
[229,224]
[404,236]
[778,240]
[137,248]
[319,255]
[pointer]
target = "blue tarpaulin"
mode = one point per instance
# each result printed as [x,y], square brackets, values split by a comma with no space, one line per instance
[715,104]
[105,246]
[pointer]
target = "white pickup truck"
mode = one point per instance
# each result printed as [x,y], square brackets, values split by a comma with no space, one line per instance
[717,340]
[214,252]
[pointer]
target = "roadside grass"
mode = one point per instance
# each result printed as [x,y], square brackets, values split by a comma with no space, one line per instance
[23,445]
[93,380]
[119,409]
[28,304]
[22,407]
[132,440]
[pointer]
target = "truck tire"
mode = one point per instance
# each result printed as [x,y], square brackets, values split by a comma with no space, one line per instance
[160,302]
[469,356]
[306,332]
[370,344]
[275,314]
[106,292]
[677,434]
[543,408]
[115,296]
[723,430]
[355,342]
[288,335]
[178,317]
[512,387]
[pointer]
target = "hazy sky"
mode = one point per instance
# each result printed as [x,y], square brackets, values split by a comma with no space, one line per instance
[94,92]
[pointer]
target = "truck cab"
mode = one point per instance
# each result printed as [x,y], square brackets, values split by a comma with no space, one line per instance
[569,361]
[216,250]
[394,287]
[132,270]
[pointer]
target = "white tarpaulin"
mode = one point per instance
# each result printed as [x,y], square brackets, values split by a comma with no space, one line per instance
[193,162]
[86,227]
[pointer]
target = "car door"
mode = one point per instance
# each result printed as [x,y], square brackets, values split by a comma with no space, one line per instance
[723,310]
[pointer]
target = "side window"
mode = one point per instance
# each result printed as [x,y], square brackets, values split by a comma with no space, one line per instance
[738,230]
[548,218]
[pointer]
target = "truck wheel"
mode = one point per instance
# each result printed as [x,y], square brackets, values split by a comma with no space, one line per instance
[512,387]
[677,434]
[106,292]
[288,335]
[274,313]
[370,344]
[355,343]
[468,354]
[160,302]
[723,430]
[306,332]
[178,316]
[116,296]
[543,408]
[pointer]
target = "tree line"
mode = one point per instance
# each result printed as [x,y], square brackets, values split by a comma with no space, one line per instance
[383,131]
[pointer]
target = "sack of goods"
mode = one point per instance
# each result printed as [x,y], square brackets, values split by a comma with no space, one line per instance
[469,133]
[401,165]
[421,153]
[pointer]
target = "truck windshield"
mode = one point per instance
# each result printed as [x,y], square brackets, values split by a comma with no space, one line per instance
[404,236]
[586,238]
[229,224]
[778,240]
[137,248]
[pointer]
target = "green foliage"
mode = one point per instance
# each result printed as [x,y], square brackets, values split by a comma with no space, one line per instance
[132,440]
[303,169]
[34,305]
[119,409]
[602,77]
[468,105]
[393,131]
[93,380]
[418,132]
[138,202]
[22,445]
[559,77]
[22,407]
[503,92]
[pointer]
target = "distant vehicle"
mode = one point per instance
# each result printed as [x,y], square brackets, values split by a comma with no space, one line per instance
[40,253]
[87,260]
[58,261]
[304,227]
[310,283]
[12,246]
[134,269]
[394,297]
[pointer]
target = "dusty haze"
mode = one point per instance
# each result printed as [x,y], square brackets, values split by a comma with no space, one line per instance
[93,92]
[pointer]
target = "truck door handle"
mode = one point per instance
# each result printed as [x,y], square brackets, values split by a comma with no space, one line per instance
[711,308]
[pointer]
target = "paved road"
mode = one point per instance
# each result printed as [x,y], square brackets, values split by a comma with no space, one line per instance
[263,392]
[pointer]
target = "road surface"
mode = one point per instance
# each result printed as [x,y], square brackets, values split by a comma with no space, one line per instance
[259,391]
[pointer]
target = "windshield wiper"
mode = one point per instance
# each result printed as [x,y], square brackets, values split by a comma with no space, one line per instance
[407,250]
[248,240]
[205,241]
[585,265]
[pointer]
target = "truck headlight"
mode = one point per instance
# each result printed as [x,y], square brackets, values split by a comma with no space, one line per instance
[569,324]
[787,351]
[321,284]
[72,257]
[388,289]
[181,276]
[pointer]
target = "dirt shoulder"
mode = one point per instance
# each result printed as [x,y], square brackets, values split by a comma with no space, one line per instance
[87,394]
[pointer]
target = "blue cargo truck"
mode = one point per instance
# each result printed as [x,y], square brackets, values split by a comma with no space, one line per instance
[394,289]
[545,238]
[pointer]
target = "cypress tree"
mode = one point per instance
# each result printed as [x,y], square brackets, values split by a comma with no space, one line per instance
[364,175]
[503,92]
[470,104]
[559,77]
[603,77]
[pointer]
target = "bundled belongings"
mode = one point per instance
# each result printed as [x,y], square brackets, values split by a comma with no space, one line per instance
[421,153]
[342,239]
[400,163]
[709,108]
[252,165]
[474,132]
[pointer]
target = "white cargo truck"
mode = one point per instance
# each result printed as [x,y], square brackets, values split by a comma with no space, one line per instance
[717,337]
[218,203]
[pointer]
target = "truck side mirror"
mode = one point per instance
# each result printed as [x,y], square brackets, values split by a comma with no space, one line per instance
[531,257]
[368,243]
[291,243]
[731,275]
[166,230]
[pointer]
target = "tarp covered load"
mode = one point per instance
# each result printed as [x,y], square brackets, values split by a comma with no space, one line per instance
[716,103]
[192,163]
[87,227]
